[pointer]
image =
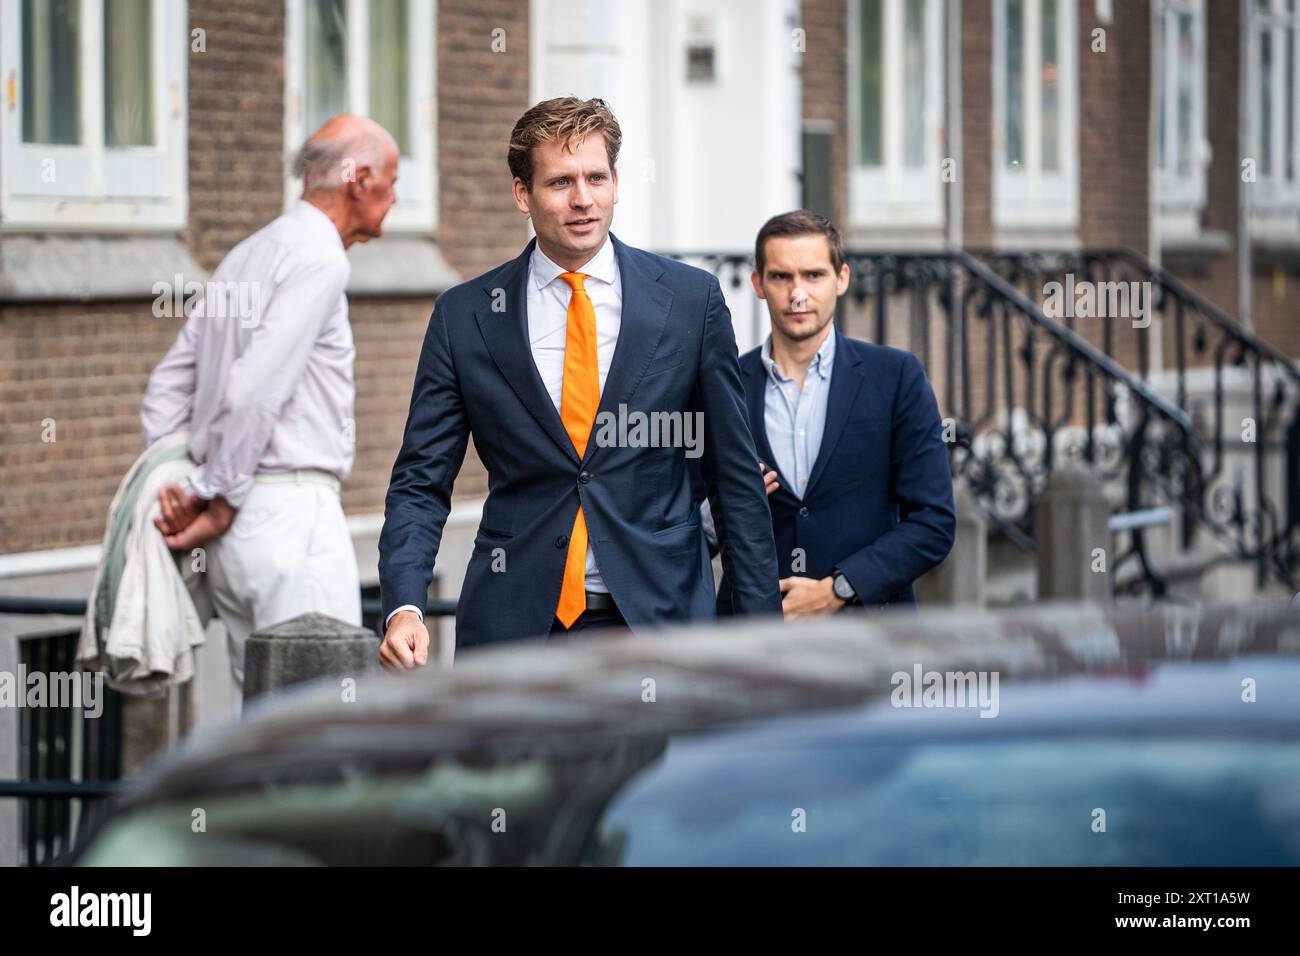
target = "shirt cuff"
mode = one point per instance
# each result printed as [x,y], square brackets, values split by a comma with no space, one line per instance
[234,495]
[404,607]
[198,485]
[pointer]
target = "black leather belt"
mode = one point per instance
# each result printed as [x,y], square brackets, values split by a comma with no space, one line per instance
[600,601]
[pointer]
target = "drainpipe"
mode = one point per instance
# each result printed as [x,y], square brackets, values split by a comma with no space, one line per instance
[956,190]
[1244,299]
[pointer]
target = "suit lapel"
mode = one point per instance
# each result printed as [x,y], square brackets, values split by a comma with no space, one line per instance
[846,379]
[506,335]
[646,303]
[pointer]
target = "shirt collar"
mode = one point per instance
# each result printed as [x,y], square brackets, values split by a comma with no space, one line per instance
[821,362]
[602,266]
[315,219]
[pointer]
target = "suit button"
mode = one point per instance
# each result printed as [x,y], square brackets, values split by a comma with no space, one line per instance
[803,512]
[585,477]
[562,541]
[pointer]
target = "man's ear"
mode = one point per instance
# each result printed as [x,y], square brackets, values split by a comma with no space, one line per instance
[613,175]
[758,284]
[521,197]
[359,186]
[842,282]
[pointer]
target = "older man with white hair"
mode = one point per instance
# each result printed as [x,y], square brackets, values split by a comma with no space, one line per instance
[266,394]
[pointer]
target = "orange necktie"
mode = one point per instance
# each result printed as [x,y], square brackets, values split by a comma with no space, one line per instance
[579,399]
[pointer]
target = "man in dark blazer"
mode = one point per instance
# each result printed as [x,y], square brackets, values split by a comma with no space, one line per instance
[549,361]
[863,503]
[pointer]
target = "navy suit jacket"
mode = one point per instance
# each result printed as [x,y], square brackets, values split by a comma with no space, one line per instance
[676,352]
[878,504]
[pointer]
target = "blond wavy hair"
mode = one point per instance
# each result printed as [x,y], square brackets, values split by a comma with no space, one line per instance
[565,119]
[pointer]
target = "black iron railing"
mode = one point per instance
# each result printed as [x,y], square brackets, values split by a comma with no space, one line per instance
[1258,520]
[56,804]
[54,740]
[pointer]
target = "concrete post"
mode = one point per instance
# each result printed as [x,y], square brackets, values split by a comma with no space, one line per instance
[1071,523]
[963,576]
[307,647]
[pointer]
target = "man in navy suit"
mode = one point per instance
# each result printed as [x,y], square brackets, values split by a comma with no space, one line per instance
[589,374]
[863,503]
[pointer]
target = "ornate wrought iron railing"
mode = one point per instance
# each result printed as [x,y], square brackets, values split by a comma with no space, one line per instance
[1249,498]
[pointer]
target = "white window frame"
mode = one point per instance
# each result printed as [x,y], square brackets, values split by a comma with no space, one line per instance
[130,188]
[893,195]
[1031,198]
[1182,194]
[1272,193]
[416,210]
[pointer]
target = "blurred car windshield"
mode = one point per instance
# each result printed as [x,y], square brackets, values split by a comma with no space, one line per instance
[721,799]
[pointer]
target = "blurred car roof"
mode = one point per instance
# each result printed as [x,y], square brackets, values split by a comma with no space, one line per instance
[1061,669]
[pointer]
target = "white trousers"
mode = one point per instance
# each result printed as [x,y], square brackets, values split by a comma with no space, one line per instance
[288,552]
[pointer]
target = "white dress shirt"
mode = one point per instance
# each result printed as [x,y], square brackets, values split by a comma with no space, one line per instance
[548,323]
[267,388]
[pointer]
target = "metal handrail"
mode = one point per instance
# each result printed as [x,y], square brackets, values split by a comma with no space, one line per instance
[76,607]
[1216,315]
[1077,344]
[67,789]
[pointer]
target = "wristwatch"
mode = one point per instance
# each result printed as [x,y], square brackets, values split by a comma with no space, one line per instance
[842,588]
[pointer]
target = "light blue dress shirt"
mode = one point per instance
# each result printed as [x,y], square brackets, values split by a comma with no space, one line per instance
[796,419]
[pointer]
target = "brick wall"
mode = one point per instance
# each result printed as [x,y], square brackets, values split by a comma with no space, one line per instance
[1115,153]
[977,122]
[824,78]
[236,124]
[1115,148]
[85,367]
[481,95]
[388,334]
[1273,303]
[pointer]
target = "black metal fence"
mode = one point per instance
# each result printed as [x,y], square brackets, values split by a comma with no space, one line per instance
[71,761]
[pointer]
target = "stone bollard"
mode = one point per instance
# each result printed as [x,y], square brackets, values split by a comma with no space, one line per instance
[304,648]
[1071,521]
[963,575]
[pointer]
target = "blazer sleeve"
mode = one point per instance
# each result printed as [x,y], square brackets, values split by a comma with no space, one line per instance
[419,491]
[729,467]
[921,491]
